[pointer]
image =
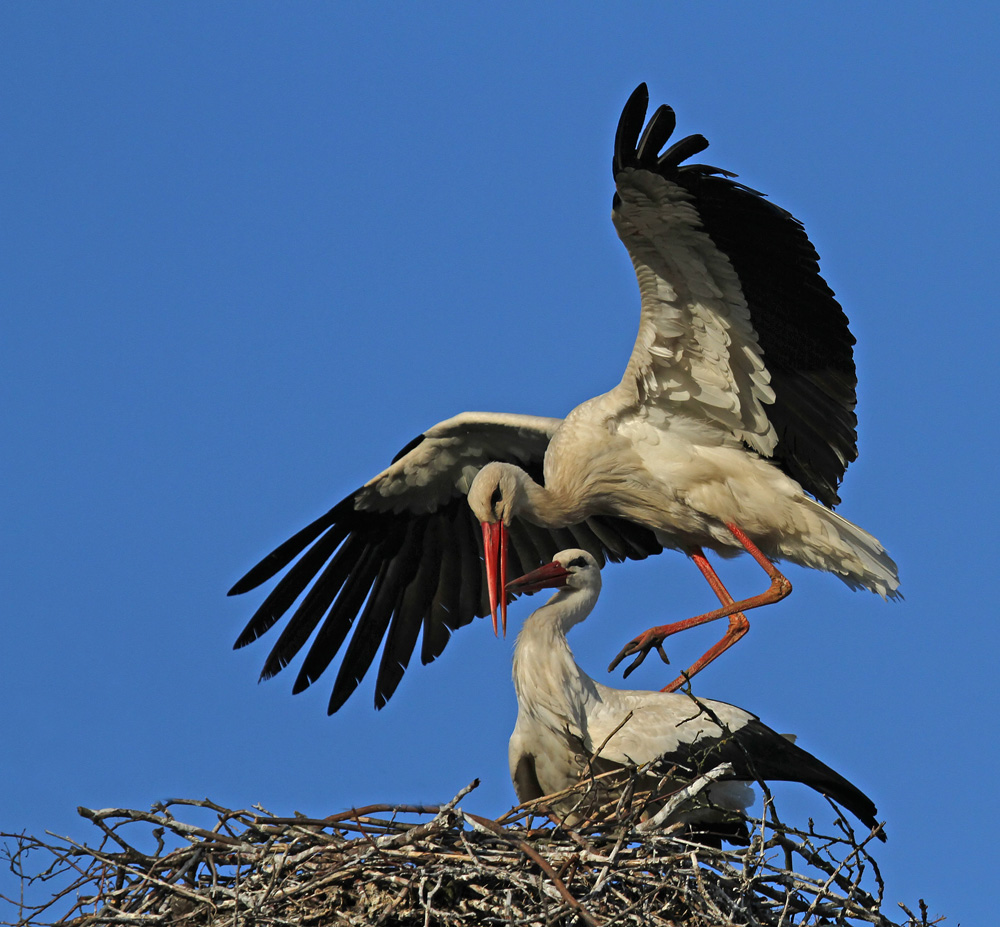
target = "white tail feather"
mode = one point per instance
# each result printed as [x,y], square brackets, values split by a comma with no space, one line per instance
[866,565]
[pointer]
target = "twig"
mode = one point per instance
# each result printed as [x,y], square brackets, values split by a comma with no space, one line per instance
[437,865]
[684,795]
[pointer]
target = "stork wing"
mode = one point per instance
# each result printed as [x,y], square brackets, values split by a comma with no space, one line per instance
[694,737]
[738,328]
[404,552]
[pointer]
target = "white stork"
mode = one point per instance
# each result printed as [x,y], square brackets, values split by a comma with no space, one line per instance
[736,406]
[570,727]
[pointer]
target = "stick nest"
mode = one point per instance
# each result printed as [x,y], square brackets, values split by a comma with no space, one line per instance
[404,864]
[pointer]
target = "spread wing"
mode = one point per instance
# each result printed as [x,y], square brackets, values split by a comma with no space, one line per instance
[738,329]
[404,553]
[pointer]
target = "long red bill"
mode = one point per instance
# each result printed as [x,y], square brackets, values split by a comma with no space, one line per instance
[545,577]
[495,553]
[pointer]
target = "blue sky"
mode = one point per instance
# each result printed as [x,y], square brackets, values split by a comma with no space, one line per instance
[249,251]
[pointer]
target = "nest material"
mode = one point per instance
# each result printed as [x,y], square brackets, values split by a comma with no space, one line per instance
[402,865]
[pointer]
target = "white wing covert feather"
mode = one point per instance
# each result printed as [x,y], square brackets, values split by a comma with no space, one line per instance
[447,457]
[696,352]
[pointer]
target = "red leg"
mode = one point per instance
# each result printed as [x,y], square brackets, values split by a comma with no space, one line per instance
[701,561]
[738,624]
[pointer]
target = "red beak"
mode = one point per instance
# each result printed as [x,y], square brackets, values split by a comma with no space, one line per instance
[545,577]
[495,552]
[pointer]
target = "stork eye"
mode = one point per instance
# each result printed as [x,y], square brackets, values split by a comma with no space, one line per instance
[577,562]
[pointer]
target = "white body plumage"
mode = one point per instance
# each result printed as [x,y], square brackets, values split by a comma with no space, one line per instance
[569,725]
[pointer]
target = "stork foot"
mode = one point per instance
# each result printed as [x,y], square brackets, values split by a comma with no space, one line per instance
[641,645]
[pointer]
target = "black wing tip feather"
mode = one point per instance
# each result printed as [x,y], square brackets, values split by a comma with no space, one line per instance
[247,636]
[758,753]
[288,550]
[638,143]
[630,125]
[658,130]
[769,755]
[681,150]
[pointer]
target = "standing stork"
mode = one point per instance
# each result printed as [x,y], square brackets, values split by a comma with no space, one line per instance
[570,728]
[734,421]
[736,405]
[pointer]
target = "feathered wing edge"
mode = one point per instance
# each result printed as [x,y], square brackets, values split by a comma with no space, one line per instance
[758,753]
[382,576]
[801,328]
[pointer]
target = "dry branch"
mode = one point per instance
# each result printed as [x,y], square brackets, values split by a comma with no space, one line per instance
[391,865]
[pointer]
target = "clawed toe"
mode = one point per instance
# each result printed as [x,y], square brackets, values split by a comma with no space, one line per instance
[641,648]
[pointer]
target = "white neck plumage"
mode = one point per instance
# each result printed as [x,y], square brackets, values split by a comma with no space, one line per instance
[546,677]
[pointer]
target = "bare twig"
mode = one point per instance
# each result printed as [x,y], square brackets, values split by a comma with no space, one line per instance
[435,865]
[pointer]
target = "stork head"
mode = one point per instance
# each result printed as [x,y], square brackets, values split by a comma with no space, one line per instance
[569,570]
[493,498]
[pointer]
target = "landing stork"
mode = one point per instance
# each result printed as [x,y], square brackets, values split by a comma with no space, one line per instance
[736,407]
[571,727]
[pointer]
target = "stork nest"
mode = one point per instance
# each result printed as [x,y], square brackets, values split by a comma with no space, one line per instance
[411,864]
